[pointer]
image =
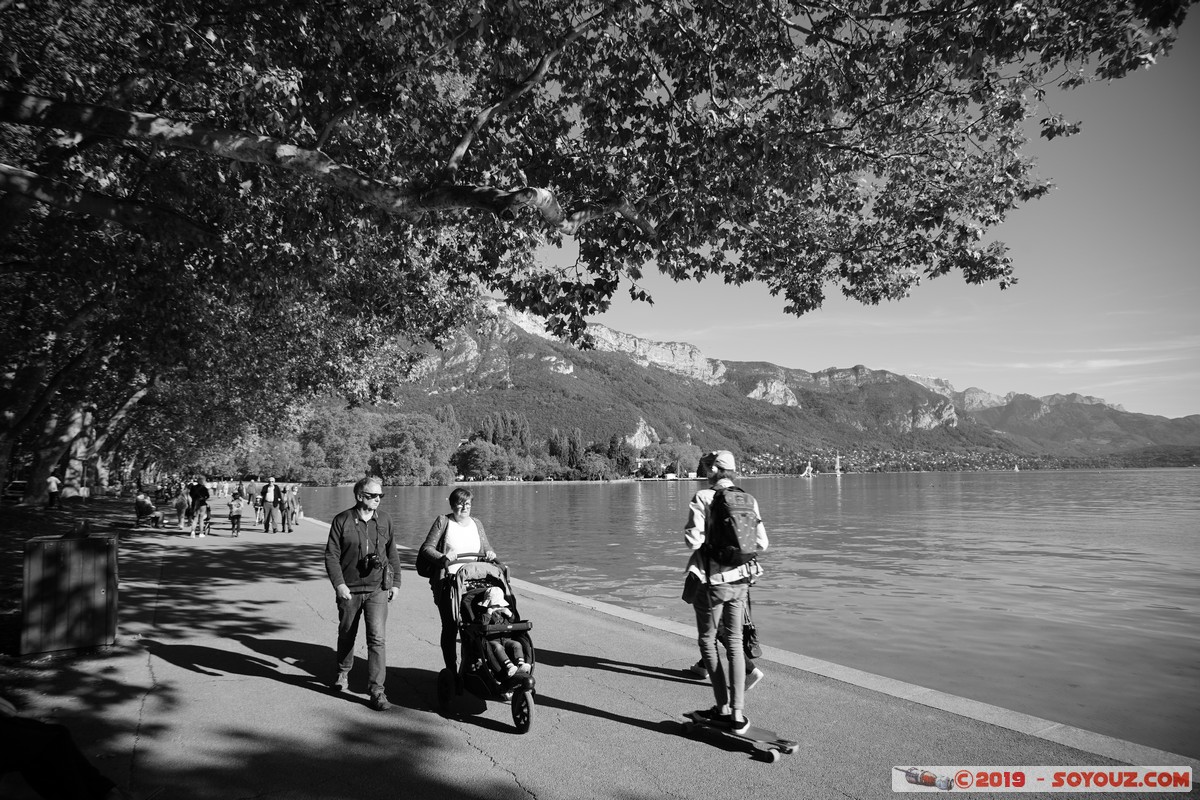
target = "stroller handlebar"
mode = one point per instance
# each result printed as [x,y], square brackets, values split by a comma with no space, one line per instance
[470,558]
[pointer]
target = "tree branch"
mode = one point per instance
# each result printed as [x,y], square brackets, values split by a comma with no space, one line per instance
[142,217]
[246,147]
[527,83]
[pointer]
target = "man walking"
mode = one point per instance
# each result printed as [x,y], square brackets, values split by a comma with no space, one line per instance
[364,568]
[272,506]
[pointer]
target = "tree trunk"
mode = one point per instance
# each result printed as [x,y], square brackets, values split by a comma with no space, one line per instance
[54,442]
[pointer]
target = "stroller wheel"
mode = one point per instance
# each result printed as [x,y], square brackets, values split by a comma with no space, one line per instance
[445,688]
[522,710]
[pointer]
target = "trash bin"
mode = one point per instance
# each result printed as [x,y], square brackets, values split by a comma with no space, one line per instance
[70,593]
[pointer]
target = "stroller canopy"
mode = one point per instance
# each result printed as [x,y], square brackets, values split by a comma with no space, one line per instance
[479,571]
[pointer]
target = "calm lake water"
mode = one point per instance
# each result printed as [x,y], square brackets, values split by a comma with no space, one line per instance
[1073,596]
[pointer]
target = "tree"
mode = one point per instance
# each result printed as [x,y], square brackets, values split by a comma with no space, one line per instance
[480,459]
[449,420]
[595,467]
[354,176]
[409,447]
[862,145]
[344,436]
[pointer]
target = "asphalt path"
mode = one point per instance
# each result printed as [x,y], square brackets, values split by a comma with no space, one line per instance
[217,688]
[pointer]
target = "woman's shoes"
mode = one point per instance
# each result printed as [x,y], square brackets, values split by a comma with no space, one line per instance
[713,716]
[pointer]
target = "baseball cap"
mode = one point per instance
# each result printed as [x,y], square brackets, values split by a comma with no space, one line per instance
[723,459]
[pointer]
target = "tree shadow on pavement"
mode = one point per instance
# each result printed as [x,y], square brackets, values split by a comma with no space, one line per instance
[179,599]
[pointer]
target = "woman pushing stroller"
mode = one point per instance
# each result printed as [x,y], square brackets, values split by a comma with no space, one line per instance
[451,534]
[474,599]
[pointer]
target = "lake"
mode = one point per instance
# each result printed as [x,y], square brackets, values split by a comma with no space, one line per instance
[1069,595]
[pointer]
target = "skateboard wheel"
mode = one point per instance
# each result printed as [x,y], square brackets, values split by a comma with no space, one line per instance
[770,756]
[789,749]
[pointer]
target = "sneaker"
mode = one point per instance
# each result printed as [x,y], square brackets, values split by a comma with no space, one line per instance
[753,679]
[511,669]
[713,716]
[379,702]
[697,670]
[524,667]
[341,683]
[739,725]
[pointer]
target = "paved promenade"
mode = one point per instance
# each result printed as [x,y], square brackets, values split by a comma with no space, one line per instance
[216,688]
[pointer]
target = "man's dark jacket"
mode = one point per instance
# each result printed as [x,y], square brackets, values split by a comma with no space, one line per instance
[349,540]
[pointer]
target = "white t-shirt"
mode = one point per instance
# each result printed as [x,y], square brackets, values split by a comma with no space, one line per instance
[461,538]
[52,483]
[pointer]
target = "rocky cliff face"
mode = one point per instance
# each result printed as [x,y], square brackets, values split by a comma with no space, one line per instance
[678,357]
[971,399]
[1081,399]
[643,436]
[774,391]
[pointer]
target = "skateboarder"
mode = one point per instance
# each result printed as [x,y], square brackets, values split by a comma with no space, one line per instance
[720,600]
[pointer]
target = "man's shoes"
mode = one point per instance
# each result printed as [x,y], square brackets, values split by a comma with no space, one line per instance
[753,678]
[697,670]
[739,725]
[341,683]
[379,702]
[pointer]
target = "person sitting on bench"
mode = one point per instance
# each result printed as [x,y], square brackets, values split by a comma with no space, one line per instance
[143,509]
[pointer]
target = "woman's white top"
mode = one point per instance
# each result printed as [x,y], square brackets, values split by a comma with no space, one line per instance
[461,537]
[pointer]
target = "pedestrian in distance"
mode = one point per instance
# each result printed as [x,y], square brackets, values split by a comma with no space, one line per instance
[364,568]
[720,598]
[449,535]
[53,486]
[181,506]
[272,506]
[293,506]
[199,495]
[289,508]
[236,504]
[144,510]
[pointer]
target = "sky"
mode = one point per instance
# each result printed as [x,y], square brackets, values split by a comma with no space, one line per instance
[1108,298]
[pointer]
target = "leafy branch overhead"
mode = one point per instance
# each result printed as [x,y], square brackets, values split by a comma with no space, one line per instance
[864,145]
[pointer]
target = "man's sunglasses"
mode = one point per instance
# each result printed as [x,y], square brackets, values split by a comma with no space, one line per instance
[372,495]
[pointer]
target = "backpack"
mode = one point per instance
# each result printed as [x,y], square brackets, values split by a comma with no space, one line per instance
[731,538]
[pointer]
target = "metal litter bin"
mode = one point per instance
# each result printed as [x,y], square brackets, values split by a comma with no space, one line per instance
[70,593]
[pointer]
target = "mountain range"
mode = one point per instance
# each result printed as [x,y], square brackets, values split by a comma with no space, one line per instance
[649,391]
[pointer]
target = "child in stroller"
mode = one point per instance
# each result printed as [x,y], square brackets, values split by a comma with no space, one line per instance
[505,654]
[490,636]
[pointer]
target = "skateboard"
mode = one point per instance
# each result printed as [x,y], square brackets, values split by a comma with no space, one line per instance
[767,744]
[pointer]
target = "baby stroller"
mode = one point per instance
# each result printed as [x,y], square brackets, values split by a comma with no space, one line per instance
[475,674]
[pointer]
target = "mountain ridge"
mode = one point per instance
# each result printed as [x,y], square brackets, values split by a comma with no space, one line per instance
[649,391]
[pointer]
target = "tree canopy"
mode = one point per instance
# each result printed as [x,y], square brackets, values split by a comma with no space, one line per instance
[317,179]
